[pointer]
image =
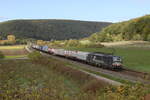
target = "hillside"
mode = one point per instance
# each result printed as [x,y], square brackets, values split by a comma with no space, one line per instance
[50,29]
[134,29]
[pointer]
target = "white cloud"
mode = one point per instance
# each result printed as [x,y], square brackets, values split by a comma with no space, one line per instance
[2,17]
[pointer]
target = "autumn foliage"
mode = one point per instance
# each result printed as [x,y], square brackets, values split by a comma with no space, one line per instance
[10,40]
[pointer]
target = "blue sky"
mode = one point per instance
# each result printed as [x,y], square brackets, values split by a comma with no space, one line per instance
[91,10]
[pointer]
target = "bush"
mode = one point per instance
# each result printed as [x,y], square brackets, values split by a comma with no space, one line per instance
[94,38]
[94,85]
[1,55]
[148,37]
[8,43]
[57,44]
[91,45]
[21,41]
[103,37]
[118,37]
[72,43]
[128,92]
[137,37]
[35,56]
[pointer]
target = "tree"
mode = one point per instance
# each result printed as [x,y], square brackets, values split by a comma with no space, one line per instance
[146,31]
[11,38]
[137,37]
[148,37]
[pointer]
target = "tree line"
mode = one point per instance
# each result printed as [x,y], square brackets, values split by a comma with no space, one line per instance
[50,29]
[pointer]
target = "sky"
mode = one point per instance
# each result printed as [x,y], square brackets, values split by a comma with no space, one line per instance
[88,10]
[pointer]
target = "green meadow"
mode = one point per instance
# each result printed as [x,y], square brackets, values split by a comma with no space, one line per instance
[12,47]
[13,51]
[136,58]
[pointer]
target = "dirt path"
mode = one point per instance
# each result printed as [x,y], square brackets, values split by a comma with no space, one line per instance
[112,82]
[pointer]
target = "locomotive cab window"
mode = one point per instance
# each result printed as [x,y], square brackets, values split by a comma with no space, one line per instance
[116,59]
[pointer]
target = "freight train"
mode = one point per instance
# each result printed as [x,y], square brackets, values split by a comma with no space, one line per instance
[99,59]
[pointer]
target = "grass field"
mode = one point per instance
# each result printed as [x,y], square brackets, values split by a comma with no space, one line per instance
[136,58]
[16,51]
[12,47]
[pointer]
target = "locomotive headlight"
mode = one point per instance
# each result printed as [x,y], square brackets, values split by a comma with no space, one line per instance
[116,64]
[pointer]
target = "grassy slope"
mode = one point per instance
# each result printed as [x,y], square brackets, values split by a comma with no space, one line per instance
[20,75]
[46,79]
[133,57]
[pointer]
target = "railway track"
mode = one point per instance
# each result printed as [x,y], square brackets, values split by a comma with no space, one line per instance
[125,74]
[128,75]
[136,73]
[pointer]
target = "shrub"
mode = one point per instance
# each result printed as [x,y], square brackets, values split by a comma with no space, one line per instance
[148,37]
[91,45]
[93,38]
[57,44]
[137,37]
[1,55]
[128,92]
[94,85]
[103,37]
[8,43]
[100,38]
[35,56]
[118,37]
[73,43]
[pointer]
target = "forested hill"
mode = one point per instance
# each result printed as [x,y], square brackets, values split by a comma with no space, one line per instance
[50,29]
[134,29]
